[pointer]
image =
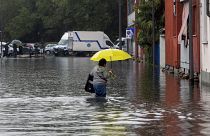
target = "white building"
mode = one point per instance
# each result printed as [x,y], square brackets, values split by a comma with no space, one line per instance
[131,19]
[205,40]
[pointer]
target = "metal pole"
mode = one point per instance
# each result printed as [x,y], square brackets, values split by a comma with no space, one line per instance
[1,45]
[1,28]
[191,40]
[120,33]
[153,33]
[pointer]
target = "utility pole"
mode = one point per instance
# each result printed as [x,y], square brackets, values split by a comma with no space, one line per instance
[191,40]
[120,26]
[153,33]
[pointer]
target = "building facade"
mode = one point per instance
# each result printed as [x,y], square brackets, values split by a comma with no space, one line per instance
[172,27]
[177,34]
[133,47]
[205,38]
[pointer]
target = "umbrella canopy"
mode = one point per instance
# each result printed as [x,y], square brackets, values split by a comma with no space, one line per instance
[110,55]
[17,42]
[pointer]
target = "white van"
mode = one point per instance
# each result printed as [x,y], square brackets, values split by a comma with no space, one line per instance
[83,41]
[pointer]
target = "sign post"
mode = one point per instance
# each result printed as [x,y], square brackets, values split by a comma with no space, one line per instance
[120,32]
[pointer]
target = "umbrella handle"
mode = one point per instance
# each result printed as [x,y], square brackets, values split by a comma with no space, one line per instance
[113,76]
[111,61]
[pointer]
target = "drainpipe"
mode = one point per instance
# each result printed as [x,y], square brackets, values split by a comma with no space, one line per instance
[191,41]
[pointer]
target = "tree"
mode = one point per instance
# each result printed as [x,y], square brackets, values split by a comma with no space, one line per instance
[144,22]
[21,25]
[47,20]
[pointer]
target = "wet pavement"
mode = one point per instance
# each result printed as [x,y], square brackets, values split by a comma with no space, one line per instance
[46,97]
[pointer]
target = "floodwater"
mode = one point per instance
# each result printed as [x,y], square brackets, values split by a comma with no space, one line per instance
[46,97]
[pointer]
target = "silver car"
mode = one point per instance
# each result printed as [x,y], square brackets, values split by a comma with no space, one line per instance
[49,48]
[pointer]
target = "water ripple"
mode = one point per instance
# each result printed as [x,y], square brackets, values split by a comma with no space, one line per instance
[46,97]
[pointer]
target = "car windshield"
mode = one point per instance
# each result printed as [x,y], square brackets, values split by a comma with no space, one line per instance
[109,43]
[50,45]
[63,42]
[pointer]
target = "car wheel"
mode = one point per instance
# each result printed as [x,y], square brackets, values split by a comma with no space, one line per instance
[66,53]
[48,52]
[55,53]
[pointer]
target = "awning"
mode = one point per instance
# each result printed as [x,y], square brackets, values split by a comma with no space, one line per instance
[185,14]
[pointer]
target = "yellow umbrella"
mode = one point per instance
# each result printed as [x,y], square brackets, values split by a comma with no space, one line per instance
[110,55]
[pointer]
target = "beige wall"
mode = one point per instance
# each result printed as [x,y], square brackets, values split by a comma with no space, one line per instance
[205,44]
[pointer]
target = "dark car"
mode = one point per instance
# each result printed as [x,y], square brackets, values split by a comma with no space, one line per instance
[32,48]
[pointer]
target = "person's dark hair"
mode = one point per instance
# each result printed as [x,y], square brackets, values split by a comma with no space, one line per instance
[102,62]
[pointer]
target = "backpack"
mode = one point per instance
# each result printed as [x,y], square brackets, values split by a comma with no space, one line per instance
[89,86]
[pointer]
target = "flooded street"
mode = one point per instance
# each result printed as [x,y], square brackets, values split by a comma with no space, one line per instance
[46,97]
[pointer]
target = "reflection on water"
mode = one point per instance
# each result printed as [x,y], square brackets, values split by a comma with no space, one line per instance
[46,97]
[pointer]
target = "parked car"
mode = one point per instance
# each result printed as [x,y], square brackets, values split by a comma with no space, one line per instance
[10,50]
[3,43]
[49,48]
[32,47]
[123,42]
[2,48]
[60,50]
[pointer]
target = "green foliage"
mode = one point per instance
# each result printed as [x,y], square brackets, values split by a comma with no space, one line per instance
[47,20]
[144,21]
[21,25]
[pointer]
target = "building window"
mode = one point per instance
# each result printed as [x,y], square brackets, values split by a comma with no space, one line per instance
[208,7]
